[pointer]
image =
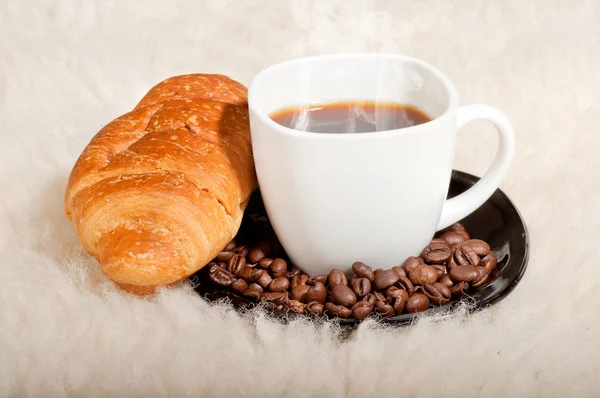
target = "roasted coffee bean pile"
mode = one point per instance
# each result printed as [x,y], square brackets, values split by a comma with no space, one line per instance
[449,267]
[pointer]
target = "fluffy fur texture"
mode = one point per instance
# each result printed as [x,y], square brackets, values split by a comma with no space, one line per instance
[67,67]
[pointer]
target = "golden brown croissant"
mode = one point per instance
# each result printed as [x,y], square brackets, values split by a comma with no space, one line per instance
[159,191]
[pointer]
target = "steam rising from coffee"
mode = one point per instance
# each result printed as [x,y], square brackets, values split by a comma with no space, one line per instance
[350,117]
[351,26]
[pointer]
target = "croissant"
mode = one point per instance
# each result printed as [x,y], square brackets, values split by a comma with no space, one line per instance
[159,191]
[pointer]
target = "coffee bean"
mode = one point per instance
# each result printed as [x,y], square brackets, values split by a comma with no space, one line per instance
[441,269]
[480,247]
[447,268]
[401,293]
[399,271]
[385,279]
[236,263]
[465,234]
[390,290]
[451,264]
[463,273]
[370,298]
[338,310]
[265,263]
[411,263]
[418,302]
[453,238]
[337,277]
[438,293]
[315,308]
[299,293]
[279,267]
[400,301]
[297,307]
[406,284]
[343,295]
[379,296]
[317,292]
[482,277]
[489,262]
[384,309]
[253,291]
[241,251]
[361,286]
[362,309]
[264,280]
[251,274]
[446,281]
[456,227]
[239,286]
[436,252]
[459,289]
[362,270]
[423,274]
[221,276]
[465,255]
[314,279]
[394,292]
[294,271]
[259,251]
[279,284]
[224,256]
[279,298]
[299,280]
[247,273]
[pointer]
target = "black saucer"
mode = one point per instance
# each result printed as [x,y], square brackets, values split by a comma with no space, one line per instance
[497,221]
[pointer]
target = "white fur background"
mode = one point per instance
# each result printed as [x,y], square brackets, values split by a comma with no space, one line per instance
[67,67]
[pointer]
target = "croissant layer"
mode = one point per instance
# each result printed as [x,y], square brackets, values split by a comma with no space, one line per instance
[160,190]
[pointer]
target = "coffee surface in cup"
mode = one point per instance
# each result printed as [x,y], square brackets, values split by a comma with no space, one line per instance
[349,117]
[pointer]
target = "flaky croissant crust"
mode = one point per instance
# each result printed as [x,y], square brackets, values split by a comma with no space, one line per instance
[159,191]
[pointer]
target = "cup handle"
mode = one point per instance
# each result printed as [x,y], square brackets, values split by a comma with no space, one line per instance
[460,206]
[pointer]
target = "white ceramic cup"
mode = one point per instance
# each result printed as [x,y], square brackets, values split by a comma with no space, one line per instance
[334,199]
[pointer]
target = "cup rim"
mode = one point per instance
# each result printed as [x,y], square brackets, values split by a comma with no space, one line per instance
[264,117]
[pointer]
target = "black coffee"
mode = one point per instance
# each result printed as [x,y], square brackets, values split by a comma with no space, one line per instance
[350,117]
